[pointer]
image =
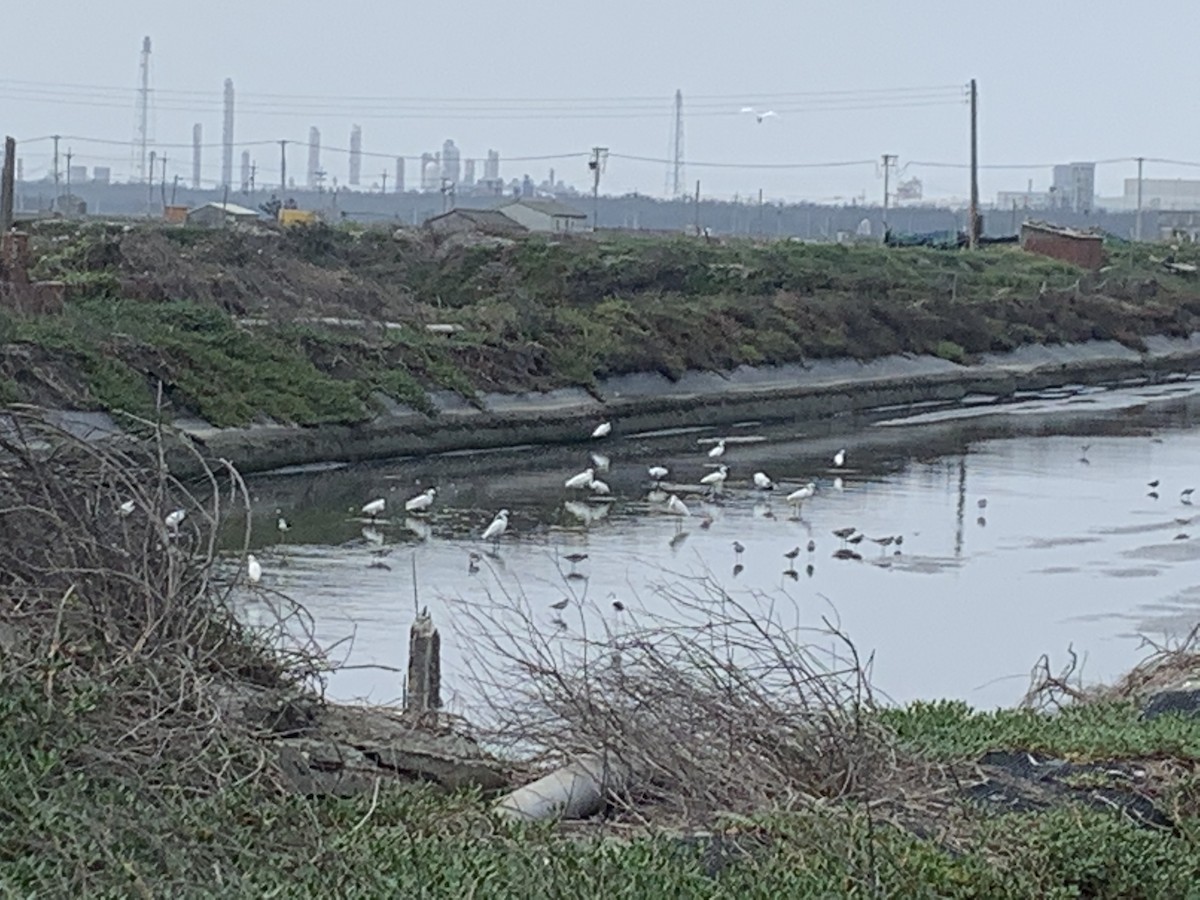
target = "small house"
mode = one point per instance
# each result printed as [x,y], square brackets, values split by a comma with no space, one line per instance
[475,221]
[220,215]
[1081,248]
[546,215]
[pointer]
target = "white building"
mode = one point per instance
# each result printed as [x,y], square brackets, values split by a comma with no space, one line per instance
[546,215]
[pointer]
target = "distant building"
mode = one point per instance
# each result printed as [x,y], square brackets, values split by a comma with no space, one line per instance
[101,174]
[1179,225]
[399,175]
[431,173]
[491,166]
[77,174]
[1039,200]
[1163,193]
[1080,248]
[468,178]
[1074,186]
[480,221]
[546,215]
[216,215]
[451,162]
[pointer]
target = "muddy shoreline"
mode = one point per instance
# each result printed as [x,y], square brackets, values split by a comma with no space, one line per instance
[639,403]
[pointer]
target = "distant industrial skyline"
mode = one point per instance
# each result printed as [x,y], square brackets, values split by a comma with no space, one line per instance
[848,89]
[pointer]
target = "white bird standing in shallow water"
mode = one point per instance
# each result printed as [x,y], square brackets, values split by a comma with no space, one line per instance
[604,429]
[599,487]
[174,518]
[839,458]
[421,502]
[717,451]
[799,495]
[582,480]
[716,480]
[253,569]
[498,527]
[374,508]
[763,482]
[126,508]
[600,461]
[677,507]
[658,473]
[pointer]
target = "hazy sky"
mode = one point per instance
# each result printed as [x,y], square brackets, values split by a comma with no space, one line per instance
[1057,81]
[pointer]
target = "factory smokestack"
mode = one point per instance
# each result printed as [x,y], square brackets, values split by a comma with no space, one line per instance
[227,137]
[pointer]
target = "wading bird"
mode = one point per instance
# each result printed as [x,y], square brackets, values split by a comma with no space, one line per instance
[421,502]
[839,458]
[798,496]
[253,569]
[658,473]
[374,508]
[716,480]
[499,525]
[580,481]
[718,451]
[604,429]
[763,482]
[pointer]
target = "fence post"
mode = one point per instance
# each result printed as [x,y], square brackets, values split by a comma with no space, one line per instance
[424,692]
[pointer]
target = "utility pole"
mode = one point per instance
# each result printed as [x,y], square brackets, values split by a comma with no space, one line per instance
[1137,225]
[283,166]
[973,215]
[56,139]
[69,154]
[150,186]
[253,171]
[162,185]
[7,184]
[697,207]
[677,188]
[889,159]
[760,213]
[174,186]
[596,164]
[144,112]
[383,190]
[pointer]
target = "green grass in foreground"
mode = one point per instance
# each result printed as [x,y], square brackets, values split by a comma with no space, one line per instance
[951,730]
[67,830]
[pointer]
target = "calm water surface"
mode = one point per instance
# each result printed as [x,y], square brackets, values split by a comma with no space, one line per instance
[1071,550]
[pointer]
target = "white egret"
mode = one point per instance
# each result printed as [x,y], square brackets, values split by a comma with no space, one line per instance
[801,494]
[604,429]
[281,525]
[253,569]
[658,473]
[718,451]
[499,525]
[599,487]
[600,461]
[763,482]
[839,458]
[126,508]
[582,480]
[716,480]
[374,508]
[174,518]
[764,114]
[677,507]
[421,502]
[838,484]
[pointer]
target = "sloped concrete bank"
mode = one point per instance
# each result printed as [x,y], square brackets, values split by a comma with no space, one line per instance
[644,402]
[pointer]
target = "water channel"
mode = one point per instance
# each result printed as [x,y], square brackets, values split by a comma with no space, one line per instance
[1029,527]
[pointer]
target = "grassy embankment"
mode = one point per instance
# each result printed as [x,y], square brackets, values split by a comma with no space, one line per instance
[124,773]
[181,305]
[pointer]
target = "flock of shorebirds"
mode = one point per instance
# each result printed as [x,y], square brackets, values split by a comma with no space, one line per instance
[665,497]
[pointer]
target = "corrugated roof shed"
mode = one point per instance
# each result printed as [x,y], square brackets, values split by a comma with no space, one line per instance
[549,207]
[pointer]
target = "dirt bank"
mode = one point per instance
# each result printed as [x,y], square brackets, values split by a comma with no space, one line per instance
[326,344]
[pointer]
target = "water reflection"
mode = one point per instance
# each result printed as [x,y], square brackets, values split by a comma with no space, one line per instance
[1066,546]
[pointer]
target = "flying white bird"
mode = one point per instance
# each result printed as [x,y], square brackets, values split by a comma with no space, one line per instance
[658,473]
[374,508]
[677,507]
[602,430]
[253,569]
[716,480]
[839,458]
[799,495]
[765,114]
[126,508]
[762,482]
[582,480]
[174,518]
[421,502]
[498,527]
[717,451]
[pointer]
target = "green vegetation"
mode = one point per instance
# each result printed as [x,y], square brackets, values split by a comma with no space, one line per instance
[238,325]
[951,730]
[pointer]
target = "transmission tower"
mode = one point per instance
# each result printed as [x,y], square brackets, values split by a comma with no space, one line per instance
[143,114]
[677,148]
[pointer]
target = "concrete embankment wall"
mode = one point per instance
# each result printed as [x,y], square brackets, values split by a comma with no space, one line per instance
[650,401]
[644,402]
